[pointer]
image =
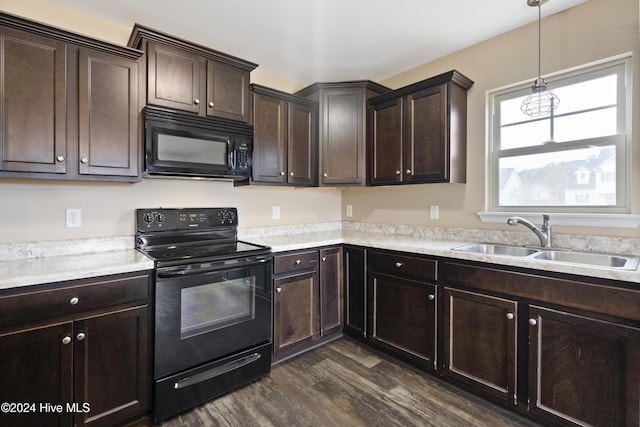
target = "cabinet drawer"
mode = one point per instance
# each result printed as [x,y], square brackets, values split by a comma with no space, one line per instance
[393,263]
[65,300]
[295,262]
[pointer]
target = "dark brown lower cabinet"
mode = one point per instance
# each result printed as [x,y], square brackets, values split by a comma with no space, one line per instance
[583,371]
[296,312]
[402,307]
[355,285]
[480,342]
[331,296]
[81,369]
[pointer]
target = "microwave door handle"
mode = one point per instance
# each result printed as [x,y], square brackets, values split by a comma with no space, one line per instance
[232,156]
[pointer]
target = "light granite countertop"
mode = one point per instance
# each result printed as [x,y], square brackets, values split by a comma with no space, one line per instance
[434,247]
[34,271]
[26,264]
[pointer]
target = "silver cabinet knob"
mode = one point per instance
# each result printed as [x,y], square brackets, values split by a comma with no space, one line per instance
[84,160]
[408,171]
[397,172]
[74,301]
[278,290]
[211,104]
[80,336]
[510,316]
[60,158]
[399,264]
[324,258]
[325,174]
[431,297]
[291,173]
[196,101]
[66,340]
[298,262]
[533,322]
[282,173]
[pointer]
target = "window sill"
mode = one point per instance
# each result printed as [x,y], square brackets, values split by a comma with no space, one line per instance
[575,220]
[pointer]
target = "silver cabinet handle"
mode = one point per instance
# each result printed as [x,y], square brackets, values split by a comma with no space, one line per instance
[80,336]
[60,158]
[533,322]
[211,104]
[278,289]
[431,297]
[74,301]
[196,101]
[397,172]
[66,340]
[510,316]
[408,171]
[84,160]
[399,264]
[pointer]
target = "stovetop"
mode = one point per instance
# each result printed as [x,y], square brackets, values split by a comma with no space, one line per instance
[189,235]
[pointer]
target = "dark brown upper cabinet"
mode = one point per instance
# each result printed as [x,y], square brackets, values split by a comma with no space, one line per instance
[194,78]
[342,129]
[70,105]
[418,133]
[285,138]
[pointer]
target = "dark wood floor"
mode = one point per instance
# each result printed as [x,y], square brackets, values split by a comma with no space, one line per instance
[346,384]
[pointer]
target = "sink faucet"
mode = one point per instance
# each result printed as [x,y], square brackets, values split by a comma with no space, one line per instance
[544,235]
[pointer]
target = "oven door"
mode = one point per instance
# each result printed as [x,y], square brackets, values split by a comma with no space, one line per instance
[211,310]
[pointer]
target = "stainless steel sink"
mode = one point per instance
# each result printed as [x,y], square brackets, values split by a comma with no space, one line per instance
[496,249]
[618,262]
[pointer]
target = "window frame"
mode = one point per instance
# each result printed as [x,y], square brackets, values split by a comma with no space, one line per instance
[622,141]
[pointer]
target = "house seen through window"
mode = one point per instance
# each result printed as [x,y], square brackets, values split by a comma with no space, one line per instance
[572,160]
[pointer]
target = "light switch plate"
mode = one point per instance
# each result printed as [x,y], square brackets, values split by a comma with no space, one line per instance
[275,212]
[434,212]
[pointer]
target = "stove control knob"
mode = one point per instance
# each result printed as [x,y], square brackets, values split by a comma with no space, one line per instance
[147,218]
[160,217]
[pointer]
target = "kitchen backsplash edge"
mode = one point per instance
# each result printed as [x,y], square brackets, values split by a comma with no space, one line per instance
[620,245]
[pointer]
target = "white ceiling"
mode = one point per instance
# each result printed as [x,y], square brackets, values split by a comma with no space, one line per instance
[310,41]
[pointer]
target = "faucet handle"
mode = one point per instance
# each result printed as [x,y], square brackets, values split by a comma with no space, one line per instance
[545,220]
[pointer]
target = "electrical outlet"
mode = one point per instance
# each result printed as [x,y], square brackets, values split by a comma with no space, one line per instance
[434,212]
[74,217]
[349,210]
[275,212]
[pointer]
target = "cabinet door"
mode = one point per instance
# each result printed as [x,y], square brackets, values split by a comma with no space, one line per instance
[386,143]
[108,115]
[33,103]
[269,139]
[355,291]
[296,312]
[36,369]
[425,138]
[227,92]
[582,370]
[331,305]
[302,145]
[403,317]
[480,342]
[111,363]
[342,141]
[173,78]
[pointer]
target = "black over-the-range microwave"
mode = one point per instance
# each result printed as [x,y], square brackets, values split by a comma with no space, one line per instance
[184,145]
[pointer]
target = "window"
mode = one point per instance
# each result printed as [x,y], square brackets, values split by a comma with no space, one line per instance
[576,159]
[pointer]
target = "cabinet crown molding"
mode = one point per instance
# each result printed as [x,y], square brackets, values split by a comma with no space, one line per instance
[18,23]
[140,33]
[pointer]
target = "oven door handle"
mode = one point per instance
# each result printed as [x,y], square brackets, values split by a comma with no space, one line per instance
[186,270]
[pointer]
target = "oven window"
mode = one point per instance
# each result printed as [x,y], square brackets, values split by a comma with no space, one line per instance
[213,306]
[177,148]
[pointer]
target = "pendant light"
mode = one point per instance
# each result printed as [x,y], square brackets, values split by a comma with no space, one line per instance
[541,101]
